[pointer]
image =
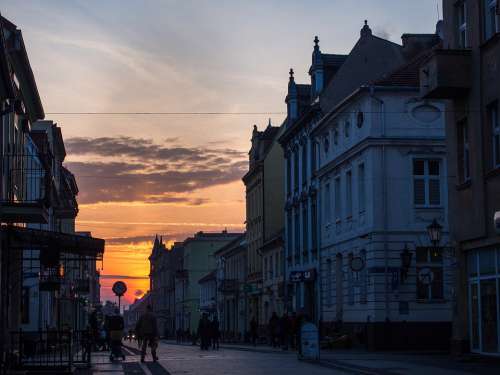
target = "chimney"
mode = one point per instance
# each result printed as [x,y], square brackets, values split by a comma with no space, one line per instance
[413,44]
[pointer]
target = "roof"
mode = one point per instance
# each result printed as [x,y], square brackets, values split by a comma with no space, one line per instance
[231,245]
[6,88]
[370,57]
[18,57]
[209,277]
[406,75]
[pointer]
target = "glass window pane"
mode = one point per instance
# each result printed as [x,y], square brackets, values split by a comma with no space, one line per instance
[474,316]
[422,254]
[419,192]
[418,167]
[437,283]
[486,262]
[489,318]
[472,264]
[434,192]
[434,167]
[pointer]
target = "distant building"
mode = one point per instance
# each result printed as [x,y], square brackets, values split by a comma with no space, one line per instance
[158,282]
[208,294]
[231,298]
[134,311]
[254,185]
[464,73]
[197,260]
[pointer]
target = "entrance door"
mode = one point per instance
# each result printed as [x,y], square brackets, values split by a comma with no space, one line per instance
[489,323]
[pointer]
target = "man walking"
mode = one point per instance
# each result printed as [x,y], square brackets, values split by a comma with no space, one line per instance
[215,333]
[273,329]
[204,332]
[147,329]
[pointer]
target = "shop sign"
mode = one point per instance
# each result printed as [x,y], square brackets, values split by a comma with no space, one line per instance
[300,276]
[309,342]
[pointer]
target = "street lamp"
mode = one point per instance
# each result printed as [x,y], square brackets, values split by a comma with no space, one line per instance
[434,231]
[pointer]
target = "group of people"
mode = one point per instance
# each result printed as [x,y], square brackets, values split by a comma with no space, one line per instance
[284,331]
[209,332]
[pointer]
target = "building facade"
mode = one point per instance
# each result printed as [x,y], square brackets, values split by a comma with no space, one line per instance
[382,181]
[231,299]
[464,73]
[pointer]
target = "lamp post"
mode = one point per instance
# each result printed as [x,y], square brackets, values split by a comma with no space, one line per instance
[434,231]
[406,256]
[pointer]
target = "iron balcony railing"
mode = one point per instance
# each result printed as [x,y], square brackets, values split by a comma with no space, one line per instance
[26,178]
[50,350]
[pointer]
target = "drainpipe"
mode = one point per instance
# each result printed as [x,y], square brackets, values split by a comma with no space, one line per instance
[384,202]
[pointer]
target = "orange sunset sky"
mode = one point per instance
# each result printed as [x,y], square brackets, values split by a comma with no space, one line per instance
[174,175]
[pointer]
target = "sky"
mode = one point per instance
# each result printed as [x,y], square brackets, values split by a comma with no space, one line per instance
[173,175]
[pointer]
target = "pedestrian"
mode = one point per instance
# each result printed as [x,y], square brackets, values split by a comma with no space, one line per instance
[215,333]
[254,331]
[147,330]
[284,324]
[293,330]
[273,329]
[204,331]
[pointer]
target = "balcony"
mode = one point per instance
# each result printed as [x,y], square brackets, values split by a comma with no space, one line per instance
[23,194]
[446,74]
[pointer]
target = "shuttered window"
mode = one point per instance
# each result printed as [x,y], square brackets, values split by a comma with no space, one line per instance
[426,182]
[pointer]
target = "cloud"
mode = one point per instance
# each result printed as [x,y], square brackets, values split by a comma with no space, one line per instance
[124,277]
[124,169]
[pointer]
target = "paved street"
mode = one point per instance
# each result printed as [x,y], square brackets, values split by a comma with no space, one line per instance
[177,359]
[239,360]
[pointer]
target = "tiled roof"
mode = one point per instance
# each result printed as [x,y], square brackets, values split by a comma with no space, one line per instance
[406,75]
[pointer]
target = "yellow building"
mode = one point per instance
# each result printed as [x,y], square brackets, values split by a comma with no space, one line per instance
[256,208]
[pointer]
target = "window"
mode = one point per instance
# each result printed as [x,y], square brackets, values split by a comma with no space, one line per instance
[347,128]
[463,151]
[296,169]
[336,136]
[304,163]
[289,233]
[313,157]
[491,18]
[25,305]
[289,174]
[328,204]
[338,208]
[429,274]
[314,220]
[271,267]
[495,126]
[305,235]
[462,24]
[348,194]
[361,188]
[329,282]
[297,235]
[426,182]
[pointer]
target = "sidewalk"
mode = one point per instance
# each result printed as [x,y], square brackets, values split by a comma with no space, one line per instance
[387,363]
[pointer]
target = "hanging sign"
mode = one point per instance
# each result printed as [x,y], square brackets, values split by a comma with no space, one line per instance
[119,288]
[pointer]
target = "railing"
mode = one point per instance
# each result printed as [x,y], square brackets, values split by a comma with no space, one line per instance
[49,350]
[26,178]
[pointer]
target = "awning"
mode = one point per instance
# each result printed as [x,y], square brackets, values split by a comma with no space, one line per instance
[32,239]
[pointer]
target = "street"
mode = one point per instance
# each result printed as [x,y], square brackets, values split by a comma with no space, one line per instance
[186,359]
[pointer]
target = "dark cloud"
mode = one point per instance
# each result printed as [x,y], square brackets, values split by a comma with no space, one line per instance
[139,170]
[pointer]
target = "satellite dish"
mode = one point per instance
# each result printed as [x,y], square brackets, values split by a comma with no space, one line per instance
[119,288]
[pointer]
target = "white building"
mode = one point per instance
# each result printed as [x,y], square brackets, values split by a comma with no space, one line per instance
[382,181]
[208,293]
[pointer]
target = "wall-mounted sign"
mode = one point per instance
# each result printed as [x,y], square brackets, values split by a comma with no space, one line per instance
[119,288]
[300,276]
[357,264]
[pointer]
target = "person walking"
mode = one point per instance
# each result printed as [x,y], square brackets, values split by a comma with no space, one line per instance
[215,333]
[284,324]
[273,329]
[204,332]
[147,329]
[254,331]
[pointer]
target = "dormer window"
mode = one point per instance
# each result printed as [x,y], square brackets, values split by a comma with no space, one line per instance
[336,136]
[360,118]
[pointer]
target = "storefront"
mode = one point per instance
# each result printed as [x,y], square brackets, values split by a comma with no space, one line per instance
[484,300]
